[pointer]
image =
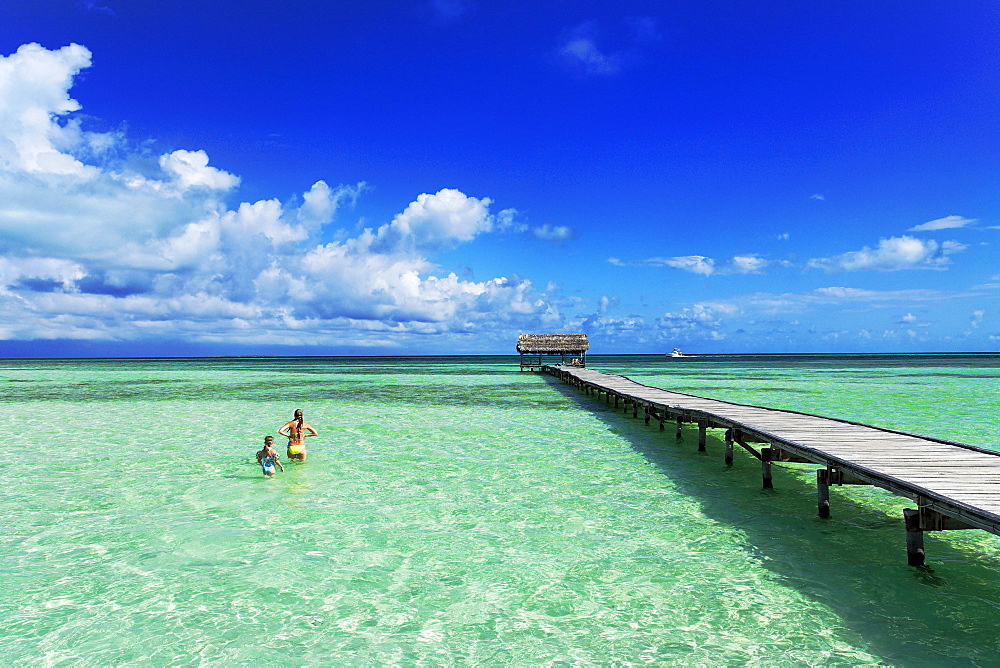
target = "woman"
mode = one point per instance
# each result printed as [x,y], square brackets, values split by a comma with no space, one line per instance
[297,430]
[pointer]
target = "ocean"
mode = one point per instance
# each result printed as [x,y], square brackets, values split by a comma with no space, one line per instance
[453,511]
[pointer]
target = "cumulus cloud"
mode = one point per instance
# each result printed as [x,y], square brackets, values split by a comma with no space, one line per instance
[112,251]
[189,169]
[34,93]
[432,223]
[892,254]
[946,223]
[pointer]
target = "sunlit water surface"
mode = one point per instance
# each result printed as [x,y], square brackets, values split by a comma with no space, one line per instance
[454,511]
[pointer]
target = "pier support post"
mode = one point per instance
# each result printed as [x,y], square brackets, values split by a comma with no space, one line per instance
[729,447]
[663,416]
[646,411]
[702,426]
[823,492]
[616,401]
[680,422]
[635,409]
[765,466]
[914,537]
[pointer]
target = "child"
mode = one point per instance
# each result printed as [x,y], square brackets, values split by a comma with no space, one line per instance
[268,457]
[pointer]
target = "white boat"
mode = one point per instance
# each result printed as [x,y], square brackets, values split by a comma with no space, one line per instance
[677,353]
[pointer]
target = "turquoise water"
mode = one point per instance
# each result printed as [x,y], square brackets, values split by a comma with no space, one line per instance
[454,511]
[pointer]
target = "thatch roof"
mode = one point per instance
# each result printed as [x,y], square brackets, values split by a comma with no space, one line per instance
[552,344]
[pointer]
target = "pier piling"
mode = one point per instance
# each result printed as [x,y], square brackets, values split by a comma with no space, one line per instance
[823,492]
[765,467]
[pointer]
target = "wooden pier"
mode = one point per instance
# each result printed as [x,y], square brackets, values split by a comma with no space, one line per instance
[954,485]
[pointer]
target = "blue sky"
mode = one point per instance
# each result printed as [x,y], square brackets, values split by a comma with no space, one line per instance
[438,176]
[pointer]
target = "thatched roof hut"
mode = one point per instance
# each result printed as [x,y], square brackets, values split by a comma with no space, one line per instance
[552,344]
[533,346]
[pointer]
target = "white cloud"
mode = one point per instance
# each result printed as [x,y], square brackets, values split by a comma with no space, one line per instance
[748,264]
[434,222]
[64,273]
[946,223]
[844,295]
[113,252]
[699,264]
[34,85]
[892,254]
[818,196]
[552,232]
[507,220]
[583,52]
[579,50]
[700,320]
[190,169]
[696,264]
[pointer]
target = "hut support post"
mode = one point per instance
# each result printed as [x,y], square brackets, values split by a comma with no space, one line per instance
[729,447]
[679,433]
[702,427]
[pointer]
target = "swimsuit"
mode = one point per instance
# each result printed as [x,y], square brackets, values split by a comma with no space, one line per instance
[295,449]
[267,464]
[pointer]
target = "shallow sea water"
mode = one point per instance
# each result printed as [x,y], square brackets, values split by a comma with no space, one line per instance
[454,511]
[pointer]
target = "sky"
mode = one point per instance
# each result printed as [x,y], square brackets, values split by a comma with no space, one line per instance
[438,176]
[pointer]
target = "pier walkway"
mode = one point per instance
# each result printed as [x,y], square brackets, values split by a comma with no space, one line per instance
[954,485]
